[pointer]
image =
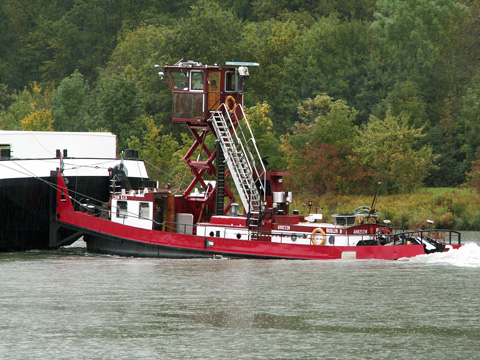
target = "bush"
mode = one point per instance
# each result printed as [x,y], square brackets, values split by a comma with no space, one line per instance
[473,177]
[448,208]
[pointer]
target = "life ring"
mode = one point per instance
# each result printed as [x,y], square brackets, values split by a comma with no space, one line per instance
[234,104]
[323,239]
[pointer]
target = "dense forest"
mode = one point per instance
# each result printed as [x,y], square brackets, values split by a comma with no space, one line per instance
[348,93]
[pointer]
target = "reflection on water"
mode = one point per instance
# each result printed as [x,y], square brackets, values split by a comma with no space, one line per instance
[72,304]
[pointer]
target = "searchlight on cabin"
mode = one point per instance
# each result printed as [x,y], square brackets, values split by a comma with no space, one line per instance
[242,67]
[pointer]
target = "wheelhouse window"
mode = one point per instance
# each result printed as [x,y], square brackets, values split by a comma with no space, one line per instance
[230,81]
[196,78]
[144,210]
[214,82]
[122,210]
[233,82]
[180,80]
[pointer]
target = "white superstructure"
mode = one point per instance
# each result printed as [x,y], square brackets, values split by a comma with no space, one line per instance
[44,144]
[28,154]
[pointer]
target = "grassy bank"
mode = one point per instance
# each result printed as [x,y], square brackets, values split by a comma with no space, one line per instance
[449,208]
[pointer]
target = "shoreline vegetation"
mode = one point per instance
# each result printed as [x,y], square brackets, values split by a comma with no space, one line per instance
[347,93]
[448,208]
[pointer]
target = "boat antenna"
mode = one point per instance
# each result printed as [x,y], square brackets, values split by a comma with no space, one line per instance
[372,208]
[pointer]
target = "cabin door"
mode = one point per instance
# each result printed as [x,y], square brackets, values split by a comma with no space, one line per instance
[213,90]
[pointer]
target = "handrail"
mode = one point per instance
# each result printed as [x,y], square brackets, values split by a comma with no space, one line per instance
[236,157]
[421,233]
[245,141]
[392,239]
[395,238]
[252,138]
[242,158]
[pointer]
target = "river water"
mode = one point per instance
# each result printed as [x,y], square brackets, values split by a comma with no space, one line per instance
[69,304]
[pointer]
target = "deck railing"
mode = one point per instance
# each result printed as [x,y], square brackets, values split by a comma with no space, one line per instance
[396,238]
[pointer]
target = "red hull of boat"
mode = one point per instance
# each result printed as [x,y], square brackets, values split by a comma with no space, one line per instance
[114,238]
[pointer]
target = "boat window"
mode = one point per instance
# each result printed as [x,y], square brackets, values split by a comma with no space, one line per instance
[196,78]
[144,211]
[180,80]
[122,209]
[5,151]
[230,81]
[268,188]
[214,82]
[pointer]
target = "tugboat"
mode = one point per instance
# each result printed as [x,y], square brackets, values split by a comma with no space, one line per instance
[203,220]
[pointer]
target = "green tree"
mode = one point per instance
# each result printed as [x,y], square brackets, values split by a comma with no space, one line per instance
[23,103]
[448,158]
[5,97]
[266,9]
[269,43]
[162,154]
[25,28]
[469,124]
[388,147]
[406,98]
[68,103]
[344,59]
[48,40]
[419,35]
[415,27]
[327,121]
[86,34]
[434,49]
[319,150]
[212,35]
[322,168]
[134,58]
[262,128]
[473,176]
[116,108]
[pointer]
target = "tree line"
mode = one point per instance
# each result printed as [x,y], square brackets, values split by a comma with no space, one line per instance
[348,92]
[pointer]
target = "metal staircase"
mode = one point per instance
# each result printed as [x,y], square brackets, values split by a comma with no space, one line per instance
[241,155]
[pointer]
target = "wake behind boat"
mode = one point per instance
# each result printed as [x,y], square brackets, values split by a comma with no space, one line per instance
[203,220]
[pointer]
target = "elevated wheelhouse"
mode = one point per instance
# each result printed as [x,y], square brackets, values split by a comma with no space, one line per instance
[200,89]
[200,92]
